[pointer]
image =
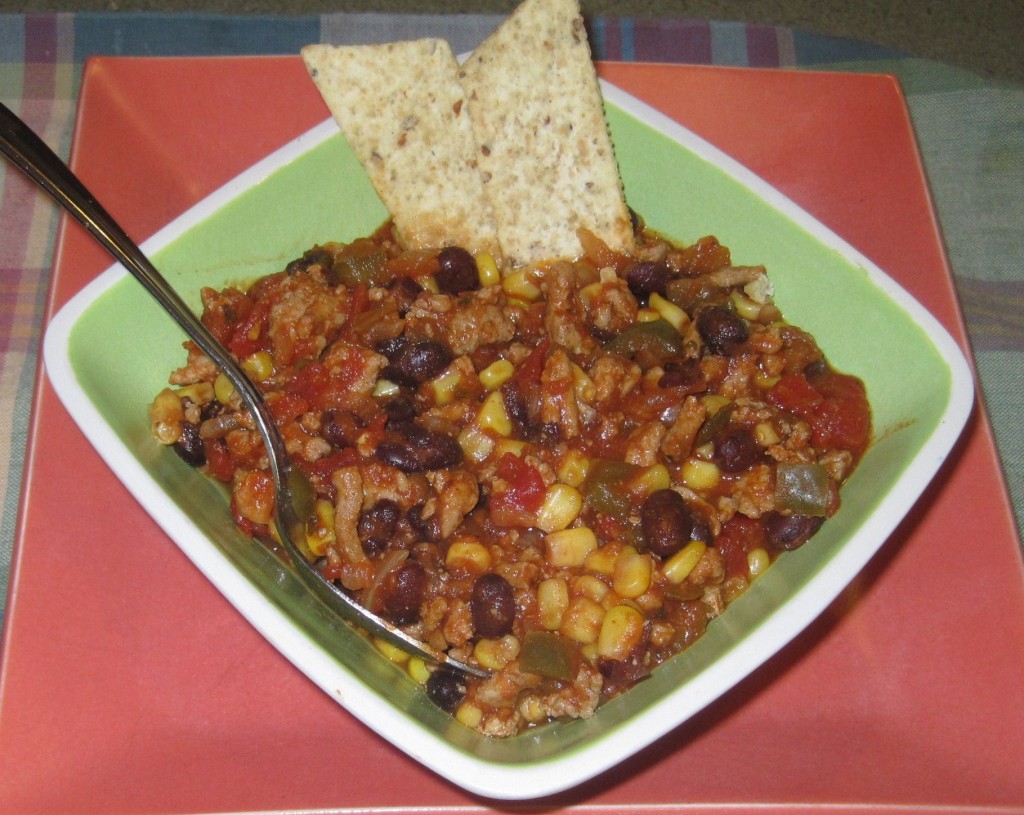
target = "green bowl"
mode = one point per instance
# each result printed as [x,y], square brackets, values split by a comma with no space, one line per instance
[313,191]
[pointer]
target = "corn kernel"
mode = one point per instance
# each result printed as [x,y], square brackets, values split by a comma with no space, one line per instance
[166,413]
[654,478]
[582,620]
[487,269]
[521,286]
[561,506]
[700,475]
[259,366]
[385,388]
[468,555]
[552,602]
[391,652]
[706,452]
[469,715]
[198,392]
[475,444]
[496,654]
[417,669]
[602,561]
[573,468]
[757,561]
[570,547]
[765,434]
[714,402]
[513,446]
[493,416]
[429,283]
[632,575]
[621,630]
[445,385]
[647,315]
[678,567]
[586,585]
[669,312]
[320,528]
[496,374]
[766,382]
[224,390]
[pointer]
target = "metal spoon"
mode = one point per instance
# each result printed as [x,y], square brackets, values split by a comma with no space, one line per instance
[294,494]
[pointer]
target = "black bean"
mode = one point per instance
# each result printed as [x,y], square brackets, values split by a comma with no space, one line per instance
[190,446]
[666,522]
[721,329]
[391,346]
[415,449]
[378,524]
[210,410]
[645,278]
[493,605]
[685,373]
[317,256]
[547,434]
[416,362]
[427,528]
[789,531]
[515,406]
[737,450]
[402,602]
[701,530]
[399,410]
[458,271]
[404,292]
[339,428]
[446,689]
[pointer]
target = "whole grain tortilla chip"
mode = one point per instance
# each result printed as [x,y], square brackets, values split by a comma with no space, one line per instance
[545,151]
[402,111]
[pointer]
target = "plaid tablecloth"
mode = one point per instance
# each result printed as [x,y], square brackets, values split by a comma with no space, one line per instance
[970,131]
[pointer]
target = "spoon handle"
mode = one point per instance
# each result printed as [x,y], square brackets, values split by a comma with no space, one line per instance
[294,492]
[32,155]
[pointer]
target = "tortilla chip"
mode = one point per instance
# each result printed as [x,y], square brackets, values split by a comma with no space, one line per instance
[403,112]
[544,148]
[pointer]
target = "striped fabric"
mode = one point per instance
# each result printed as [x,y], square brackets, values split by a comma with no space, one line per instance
[962,123]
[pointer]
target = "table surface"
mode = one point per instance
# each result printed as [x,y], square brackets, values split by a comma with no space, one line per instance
[969,133]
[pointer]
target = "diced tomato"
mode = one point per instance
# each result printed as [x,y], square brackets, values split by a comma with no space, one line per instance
[794,394]
[517,503]
[359,300]
[835,405]
[739,536]
[218,460]
[703,257]
[286,406]
[310,382]
[249,334]
[844,420]
[223,309]
[530,369]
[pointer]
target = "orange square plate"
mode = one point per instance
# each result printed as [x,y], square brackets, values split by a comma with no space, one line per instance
[130,685]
